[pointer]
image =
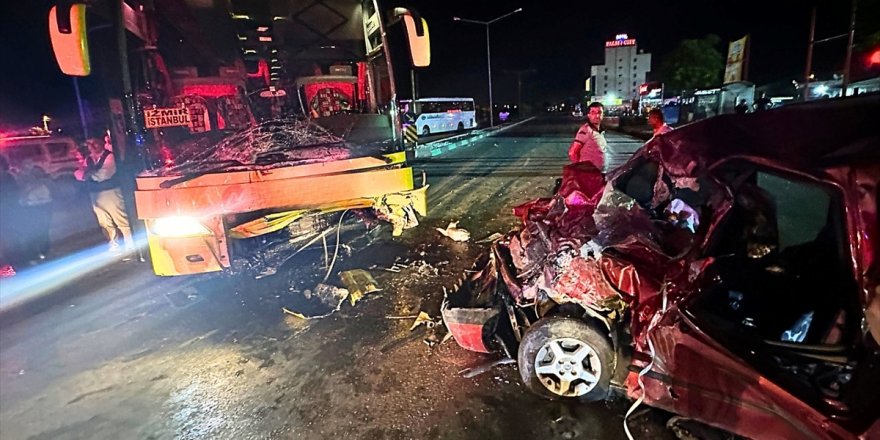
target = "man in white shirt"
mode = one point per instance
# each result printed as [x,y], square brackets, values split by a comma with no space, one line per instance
[99,172]
[657,122]
[589,144]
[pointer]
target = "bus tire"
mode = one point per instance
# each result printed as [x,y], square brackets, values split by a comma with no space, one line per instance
[426,131]
[460,126]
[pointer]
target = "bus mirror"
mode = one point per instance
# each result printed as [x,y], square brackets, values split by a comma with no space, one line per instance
[417,36]
[67,30]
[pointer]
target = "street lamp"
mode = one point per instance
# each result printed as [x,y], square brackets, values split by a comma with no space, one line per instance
[488,55]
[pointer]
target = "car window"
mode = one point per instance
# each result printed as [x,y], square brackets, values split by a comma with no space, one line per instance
[781,249]
[58,149]
[20,153]
[801,209]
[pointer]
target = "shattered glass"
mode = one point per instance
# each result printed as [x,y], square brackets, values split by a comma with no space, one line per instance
[271,144]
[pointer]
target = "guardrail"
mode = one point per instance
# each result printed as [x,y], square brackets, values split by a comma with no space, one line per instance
[444,146]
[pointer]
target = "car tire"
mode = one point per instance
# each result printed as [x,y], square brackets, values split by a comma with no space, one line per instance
[566,359]
[426,131]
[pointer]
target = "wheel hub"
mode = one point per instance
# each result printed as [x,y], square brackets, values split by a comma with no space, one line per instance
[568,367]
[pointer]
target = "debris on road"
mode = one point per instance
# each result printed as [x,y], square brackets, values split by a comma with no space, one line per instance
[480,369]
[320,303]
[490,238]
[454,232]
[425,319]
[359,283]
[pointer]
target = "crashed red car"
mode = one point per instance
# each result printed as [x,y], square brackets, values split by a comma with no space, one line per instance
[728,273]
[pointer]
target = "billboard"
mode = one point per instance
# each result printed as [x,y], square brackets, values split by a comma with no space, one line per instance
[737,53]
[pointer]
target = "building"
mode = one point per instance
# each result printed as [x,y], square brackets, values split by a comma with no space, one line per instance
[624,70]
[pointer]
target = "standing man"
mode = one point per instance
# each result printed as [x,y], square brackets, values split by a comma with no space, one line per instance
[763,103]
[99,173]
[658,122]
[589,144]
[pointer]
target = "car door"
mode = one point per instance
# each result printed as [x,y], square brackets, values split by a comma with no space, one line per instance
[768,345]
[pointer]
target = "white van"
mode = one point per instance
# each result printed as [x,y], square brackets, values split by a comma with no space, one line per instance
[55,155]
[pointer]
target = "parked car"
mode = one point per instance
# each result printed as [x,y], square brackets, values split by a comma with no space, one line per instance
[54,155]
[728,273]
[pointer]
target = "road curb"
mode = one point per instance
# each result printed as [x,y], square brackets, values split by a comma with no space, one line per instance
[443,146]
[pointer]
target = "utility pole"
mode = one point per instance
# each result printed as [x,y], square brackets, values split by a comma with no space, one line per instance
[809,68]
[849,49]
[488,55]
[519,77]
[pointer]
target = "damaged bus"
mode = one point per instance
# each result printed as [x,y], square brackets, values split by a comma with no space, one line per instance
[230,186]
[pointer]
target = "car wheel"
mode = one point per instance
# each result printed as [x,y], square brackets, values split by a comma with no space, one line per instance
[426,131]
[565,358]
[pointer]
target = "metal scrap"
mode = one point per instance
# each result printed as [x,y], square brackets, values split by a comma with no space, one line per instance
[480,369]
[425,319]
[359,283]
[491,238]
[329,299]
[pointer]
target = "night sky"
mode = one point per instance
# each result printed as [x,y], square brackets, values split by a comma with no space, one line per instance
[556,40]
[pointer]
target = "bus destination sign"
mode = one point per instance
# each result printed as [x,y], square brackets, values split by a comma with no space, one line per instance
[166,117]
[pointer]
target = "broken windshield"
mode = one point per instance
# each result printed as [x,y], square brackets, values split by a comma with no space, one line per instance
[271,144]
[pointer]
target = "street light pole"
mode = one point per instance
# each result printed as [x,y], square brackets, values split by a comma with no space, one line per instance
[849,49]
[489,65]
[488,56]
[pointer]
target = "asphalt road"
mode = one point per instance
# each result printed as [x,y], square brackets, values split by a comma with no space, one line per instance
[119,353]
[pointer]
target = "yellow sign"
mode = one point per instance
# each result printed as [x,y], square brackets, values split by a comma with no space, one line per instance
[166,117]
[736,53]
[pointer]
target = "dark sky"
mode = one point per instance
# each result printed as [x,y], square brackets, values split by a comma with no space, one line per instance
[557,40]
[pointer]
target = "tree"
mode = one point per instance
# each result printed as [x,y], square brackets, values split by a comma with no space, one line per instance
[693,64]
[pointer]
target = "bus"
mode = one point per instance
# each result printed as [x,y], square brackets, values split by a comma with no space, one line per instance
[234,189]
[440,115]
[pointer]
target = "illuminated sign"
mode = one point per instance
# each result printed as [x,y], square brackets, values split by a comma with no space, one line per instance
[736,54]
[166,117]
[621,40]
[650,89]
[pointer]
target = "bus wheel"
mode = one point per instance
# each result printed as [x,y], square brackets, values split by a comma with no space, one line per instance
[460,126]
[426,131]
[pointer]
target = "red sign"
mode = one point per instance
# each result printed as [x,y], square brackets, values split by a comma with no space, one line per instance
[618,43]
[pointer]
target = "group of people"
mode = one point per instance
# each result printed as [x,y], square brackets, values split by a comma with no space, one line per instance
[761,104]
[27,205]
[589,143]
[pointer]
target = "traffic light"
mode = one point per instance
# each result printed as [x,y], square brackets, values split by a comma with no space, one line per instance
[874,59]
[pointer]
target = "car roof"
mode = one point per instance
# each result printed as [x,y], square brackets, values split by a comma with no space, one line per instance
[807,136]
[23,140]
